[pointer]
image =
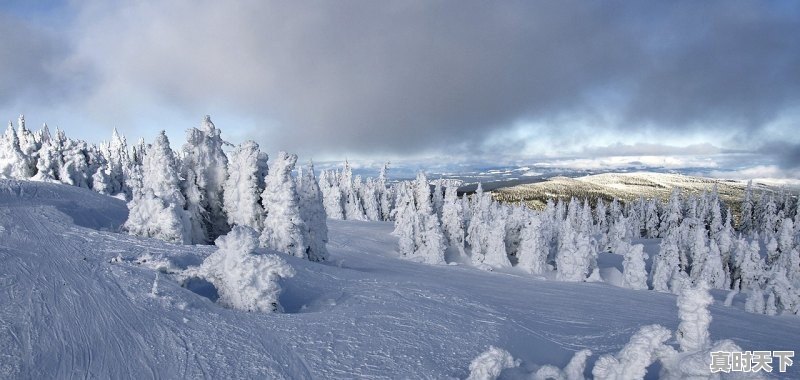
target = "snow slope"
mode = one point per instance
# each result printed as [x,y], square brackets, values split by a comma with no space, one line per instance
[77,302]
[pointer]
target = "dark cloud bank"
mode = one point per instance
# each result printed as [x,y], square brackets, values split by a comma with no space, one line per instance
[406,77]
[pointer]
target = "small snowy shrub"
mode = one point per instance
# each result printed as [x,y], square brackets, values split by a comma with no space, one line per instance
[489,364]
[245,280]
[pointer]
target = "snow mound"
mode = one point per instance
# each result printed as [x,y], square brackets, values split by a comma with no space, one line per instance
[86,208]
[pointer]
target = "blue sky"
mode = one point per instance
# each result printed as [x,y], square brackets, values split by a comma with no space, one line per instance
[513,81]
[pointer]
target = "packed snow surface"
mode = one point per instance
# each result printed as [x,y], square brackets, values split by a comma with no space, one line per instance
[82,301]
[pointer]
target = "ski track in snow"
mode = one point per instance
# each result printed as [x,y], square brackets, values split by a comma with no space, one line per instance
[71,310]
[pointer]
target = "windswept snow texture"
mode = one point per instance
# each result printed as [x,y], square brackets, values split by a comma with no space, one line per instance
[79,302]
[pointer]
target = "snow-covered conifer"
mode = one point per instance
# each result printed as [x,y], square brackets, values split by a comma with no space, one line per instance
[711,271]
[205,171]
[652,220]
[157,209]
[331,194]
[746,220]
[241,193]
[428,236]
[12,160]
[533,250]
[312,211]
[284,229]
[755,301]
[666,263]
[495,254]
[353,209]
[453,220]
[698,250]
[692,334]
[385,193]
[672,215]
[405,219]
[569,259]
[438,198]
[634,274]
[369,198]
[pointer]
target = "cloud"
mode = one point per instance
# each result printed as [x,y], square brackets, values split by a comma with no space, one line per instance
[786,154]
[387,78]
[36,65]
[647,149]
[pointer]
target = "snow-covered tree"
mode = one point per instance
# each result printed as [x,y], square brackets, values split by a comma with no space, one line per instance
[692,334]
[698,250]
[244,279]
[156,210]
[284,229]
[711,270]
[533,250]
[117,165]
[368,193]
[428,236]
[746,220]
[75,168]
[385,193]
[49,157]
[353,209]
[634,274]
[152,216]
[438,198]
[13,163]
[571,260]
[786,293]
[405,219]
[652,220]
[331,194]
[453,220]
[479,215]
[205,171]
[312,212]
[495,255]
[673,214]
[666,263]
[241,193]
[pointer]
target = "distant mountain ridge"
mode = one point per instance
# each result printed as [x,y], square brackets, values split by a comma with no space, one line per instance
[625,187]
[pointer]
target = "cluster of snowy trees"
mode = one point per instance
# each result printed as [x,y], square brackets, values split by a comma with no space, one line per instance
[699,240]
[192,196]
[349,197]
[690,359]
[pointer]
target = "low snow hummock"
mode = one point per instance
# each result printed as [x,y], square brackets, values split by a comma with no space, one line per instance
[80,300]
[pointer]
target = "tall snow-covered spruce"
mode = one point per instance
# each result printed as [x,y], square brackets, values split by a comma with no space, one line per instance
[156,209]
[312,212]
[204,169]
[241,191]
[284,229]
